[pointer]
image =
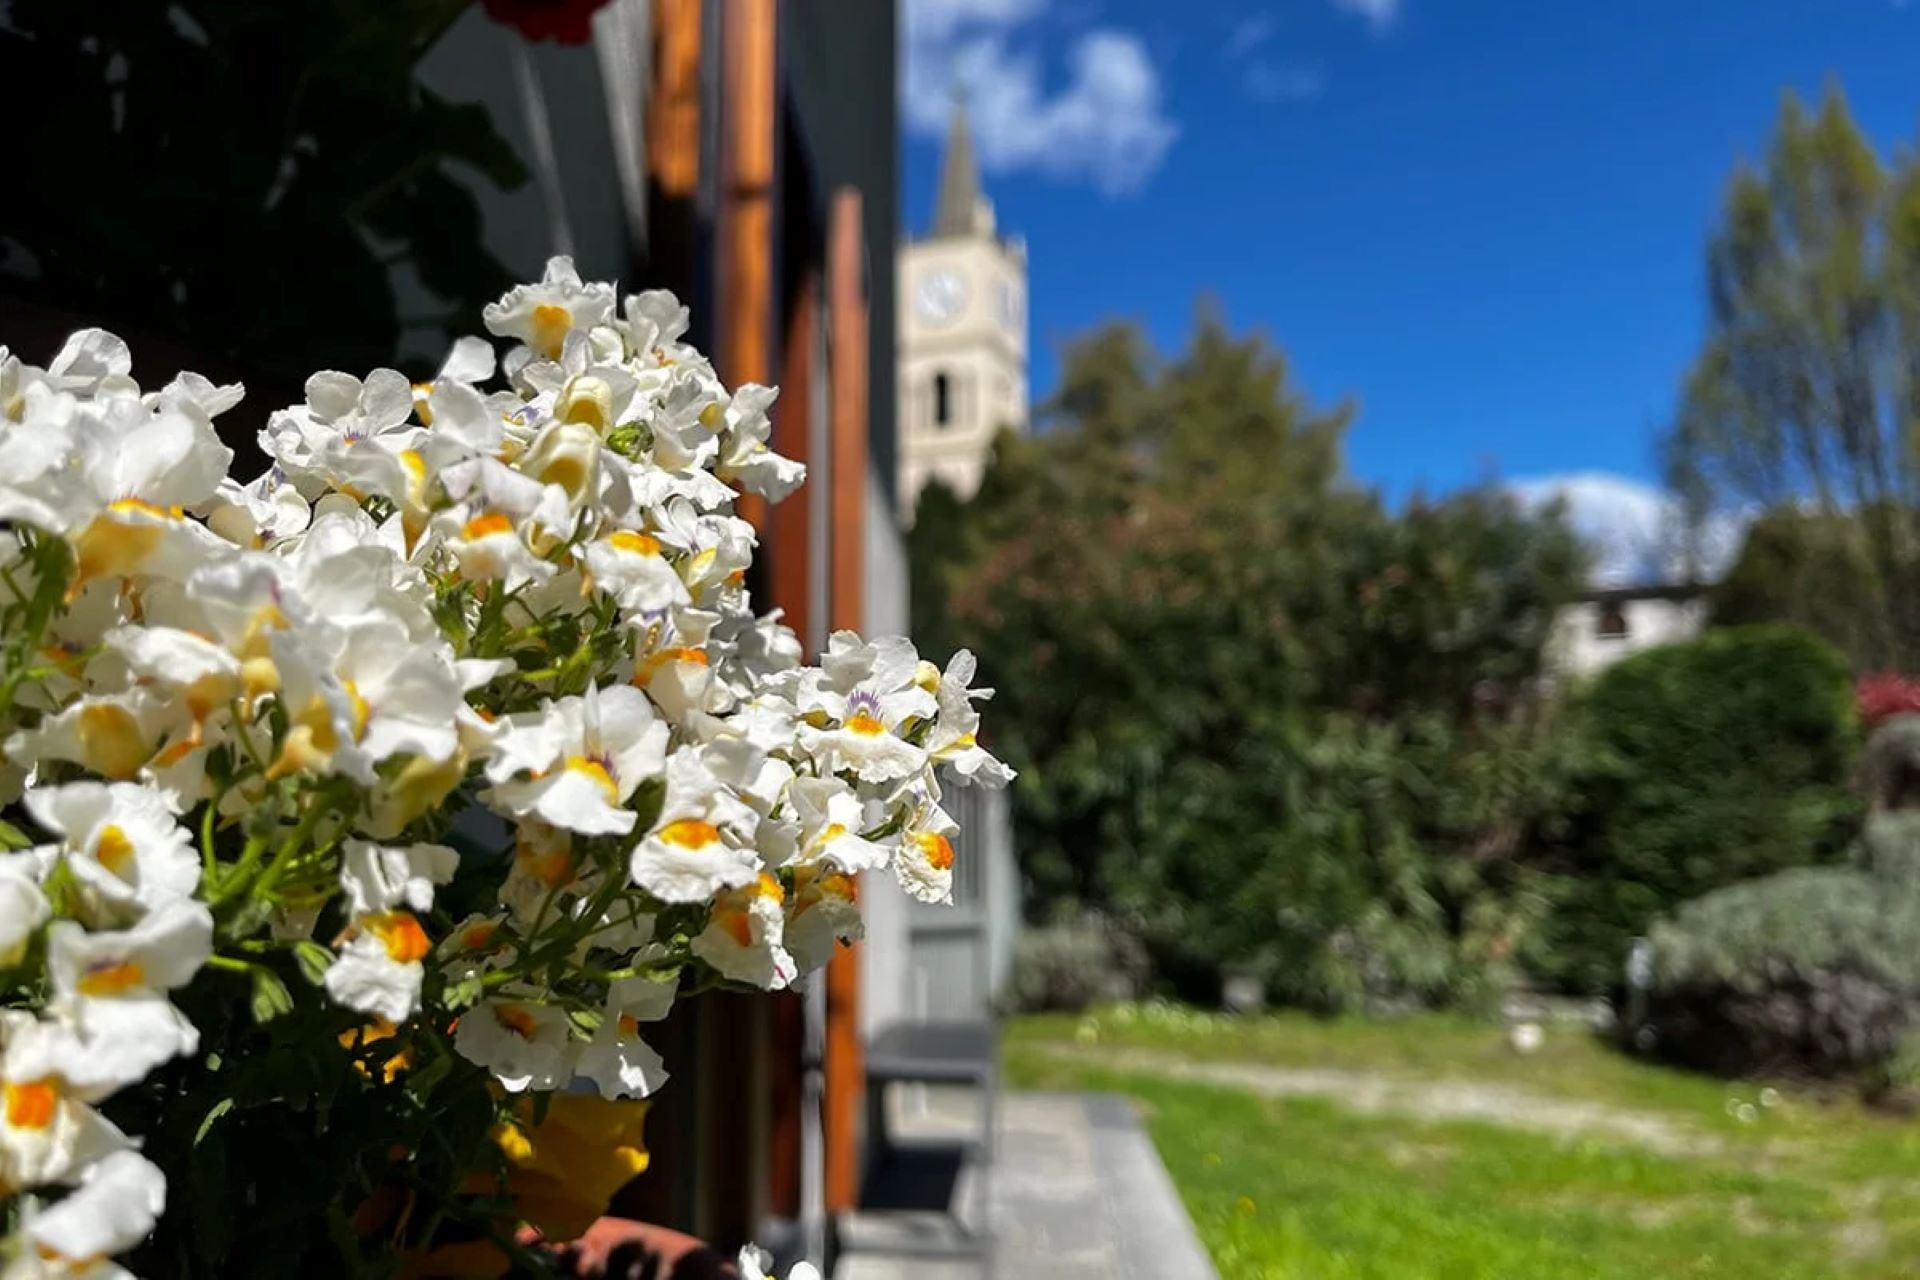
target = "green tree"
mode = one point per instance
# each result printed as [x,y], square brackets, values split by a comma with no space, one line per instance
[1806,392]
[1255,710]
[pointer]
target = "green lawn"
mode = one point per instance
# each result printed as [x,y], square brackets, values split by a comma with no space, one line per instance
[1772,1185]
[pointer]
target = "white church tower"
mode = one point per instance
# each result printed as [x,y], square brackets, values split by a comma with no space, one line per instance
[962,332]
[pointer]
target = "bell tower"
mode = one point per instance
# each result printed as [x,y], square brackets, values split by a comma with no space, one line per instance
[963,332]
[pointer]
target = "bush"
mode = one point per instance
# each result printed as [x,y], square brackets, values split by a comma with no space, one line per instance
[1080,961]
[1711,763]
[1810,971]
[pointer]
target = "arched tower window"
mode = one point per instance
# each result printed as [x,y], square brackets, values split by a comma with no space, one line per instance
[942,400]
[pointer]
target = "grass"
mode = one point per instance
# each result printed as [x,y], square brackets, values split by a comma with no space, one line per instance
[1780,1185]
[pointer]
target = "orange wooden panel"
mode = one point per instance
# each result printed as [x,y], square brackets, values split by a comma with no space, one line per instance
[847,319]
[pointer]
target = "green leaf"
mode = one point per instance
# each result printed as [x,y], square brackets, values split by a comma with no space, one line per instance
[422,1083]
[214,1112]
[314,960]
[11,837]
[270,995]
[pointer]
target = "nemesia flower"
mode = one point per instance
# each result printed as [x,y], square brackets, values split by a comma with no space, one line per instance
[582,757]
[823,910]
[48,1132]
[616,1058]
[379,969]
[526,1044]
[113,1210]
[115,1022]
[542,315]
[120,839]
[687,857]
[742,940]
[753,1268]
[924,861]
[509,615]
[953,741]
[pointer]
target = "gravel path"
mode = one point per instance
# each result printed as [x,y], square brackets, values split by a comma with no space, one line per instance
[1364,1091]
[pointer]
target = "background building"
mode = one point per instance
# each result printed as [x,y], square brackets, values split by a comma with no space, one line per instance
[962,332]
[1607,624]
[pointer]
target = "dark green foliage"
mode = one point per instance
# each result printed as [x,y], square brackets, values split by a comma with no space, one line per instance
[1811,571]
[271,164]
[1270,723]
[1713,762]
[1814,970]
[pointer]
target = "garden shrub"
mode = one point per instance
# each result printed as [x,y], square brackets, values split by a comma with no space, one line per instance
[1713,762]
[1078,961]
[1810,971]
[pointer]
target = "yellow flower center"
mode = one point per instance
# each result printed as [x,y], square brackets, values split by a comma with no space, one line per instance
[690,833]
[598,773]
[629,1025]
[113,850]
[111,742]
[937,850]
[865,724]
[551,324]
[31,1105]
[485,526]
[401,934]
[587,402]
[639,544]
[112,978]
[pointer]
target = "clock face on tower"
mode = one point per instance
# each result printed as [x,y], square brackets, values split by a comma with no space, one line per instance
[941,297]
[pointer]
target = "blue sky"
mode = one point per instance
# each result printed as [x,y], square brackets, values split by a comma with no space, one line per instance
[1482,220]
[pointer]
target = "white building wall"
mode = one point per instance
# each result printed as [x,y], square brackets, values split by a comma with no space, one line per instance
[885,958]
[1579,649]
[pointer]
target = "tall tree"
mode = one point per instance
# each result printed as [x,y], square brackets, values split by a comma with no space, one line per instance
[1806,393]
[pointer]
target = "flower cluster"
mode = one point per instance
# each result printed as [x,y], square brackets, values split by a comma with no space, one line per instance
[460,712]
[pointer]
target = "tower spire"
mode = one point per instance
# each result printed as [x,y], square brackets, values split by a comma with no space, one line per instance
[957,210]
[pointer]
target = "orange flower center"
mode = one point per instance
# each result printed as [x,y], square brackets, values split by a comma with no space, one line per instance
[937,850]
[517,1020]
[401,934]
[112,978]
[690,833]
[31,1105]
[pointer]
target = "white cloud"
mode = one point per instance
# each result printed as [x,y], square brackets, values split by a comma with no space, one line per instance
[1249,34]
[1380,14]
[1268,82]
[1635,530]
[1106,124]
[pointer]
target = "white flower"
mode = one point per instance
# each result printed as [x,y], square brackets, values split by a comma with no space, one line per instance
[114,1021]
[378,694]
[48,1133]
[923,862]
[381,878]
[113,1210]
[527,1045]
[115,736]
[744,456]
[953,740]
[542,315]
[616,1058]
[687,857]
[742,940]
[23,908]
[864,743]
[379,969]
[121,840]
[257,514]
[823,910]
[583,757]
[631,567]
[829,815]
[752,1268]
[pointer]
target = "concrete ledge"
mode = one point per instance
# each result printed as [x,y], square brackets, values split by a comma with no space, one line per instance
[1157,1238]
